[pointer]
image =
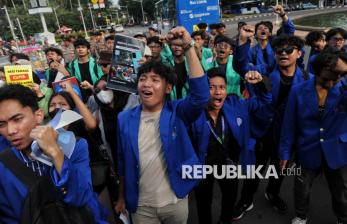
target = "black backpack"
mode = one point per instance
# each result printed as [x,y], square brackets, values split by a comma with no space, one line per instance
[42,205]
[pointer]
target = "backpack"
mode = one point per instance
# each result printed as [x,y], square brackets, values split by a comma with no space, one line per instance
[42,205]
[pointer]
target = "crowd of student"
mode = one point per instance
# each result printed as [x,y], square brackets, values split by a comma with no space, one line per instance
[203,98]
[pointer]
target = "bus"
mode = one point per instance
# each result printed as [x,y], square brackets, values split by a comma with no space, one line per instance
[244,7]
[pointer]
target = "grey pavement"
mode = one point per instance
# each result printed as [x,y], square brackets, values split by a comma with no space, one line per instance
[263,213]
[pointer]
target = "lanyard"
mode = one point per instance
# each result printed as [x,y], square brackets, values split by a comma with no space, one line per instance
[214,133]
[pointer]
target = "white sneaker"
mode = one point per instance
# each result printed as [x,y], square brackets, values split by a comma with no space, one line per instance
[297,220]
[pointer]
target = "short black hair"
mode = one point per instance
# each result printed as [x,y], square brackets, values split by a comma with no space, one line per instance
[216,72]
[314,36]
[202,25]
[241,24]
[109,37]
[283,40]
[213,26]
[199,33]
[154,39]
[268,24]
[81,42]
[54,49]
[24,95]
[159,68]
[66,96]
[222,38]
[326,60]
[332,32]
[18,56]
[220,25]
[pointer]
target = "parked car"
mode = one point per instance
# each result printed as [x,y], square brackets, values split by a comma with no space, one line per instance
[309,6]
[118,28]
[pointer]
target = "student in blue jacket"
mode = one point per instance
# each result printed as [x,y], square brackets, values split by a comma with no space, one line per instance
[20,119]
[262,53]
[285,75]
[153,141]
[315,128]
[222,136]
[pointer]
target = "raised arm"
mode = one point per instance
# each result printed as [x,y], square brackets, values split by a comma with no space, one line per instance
[190,107]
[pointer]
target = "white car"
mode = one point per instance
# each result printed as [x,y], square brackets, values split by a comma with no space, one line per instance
[118,28]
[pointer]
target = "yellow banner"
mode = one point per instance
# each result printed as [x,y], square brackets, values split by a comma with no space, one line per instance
[19,74]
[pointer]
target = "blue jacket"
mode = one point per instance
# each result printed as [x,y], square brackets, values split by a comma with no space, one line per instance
[315,138]
[75,178]
[255,54]
[273,114]
[237,115]
[175,117]
[278,111]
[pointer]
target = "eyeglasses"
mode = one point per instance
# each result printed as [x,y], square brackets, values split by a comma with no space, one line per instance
[154,46]
[223,45]
[287,50]
[104,65]
[338,39]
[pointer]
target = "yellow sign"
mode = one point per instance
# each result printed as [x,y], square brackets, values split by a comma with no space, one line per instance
[19,74]
[95,1]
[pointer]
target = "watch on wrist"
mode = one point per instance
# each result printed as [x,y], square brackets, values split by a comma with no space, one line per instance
[188,46]
[282,15]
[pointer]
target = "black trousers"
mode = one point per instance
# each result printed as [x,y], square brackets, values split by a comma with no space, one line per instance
[337,183]
[265,150]
[204,195]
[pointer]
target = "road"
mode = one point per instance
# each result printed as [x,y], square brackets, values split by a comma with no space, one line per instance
[251,19]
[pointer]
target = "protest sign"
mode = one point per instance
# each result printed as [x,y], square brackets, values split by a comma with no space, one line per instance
[74,84]
[19,74]
[125,63]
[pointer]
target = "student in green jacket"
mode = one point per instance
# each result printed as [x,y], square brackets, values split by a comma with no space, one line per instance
[224,59]
[205,54]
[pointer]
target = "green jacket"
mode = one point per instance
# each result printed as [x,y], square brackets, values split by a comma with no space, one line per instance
[233,78]
[207,58]
[95,70]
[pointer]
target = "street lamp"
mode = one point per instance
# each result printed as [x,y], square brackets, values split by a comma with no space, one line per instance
[143,14]
[84,24]
[11,26]
[56,17]
[92,16]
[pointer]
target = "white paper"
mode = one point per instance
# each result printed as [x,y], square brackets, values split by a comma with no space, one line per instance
[125,218]
[68,117]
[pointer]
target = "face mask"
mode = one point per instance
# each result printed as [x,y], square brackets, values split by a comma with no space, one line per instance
[54,112]
[105,96]
[2,83]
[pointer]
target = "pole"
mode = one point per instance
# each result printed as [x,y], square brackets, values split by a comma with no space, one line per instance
[117,17]
[56,17]
[14,6]
[25,6]
[20,28]
[91,15]
[277,21]
[11,27]
[143,14]
[43,21]
[84,24]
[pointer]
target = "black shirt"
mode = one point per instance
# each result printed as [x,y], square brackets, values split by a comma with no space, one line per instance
[181,72]
[223,67]
[51,77]
[216,152]
[285,86]
[85,73]
[266,59]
